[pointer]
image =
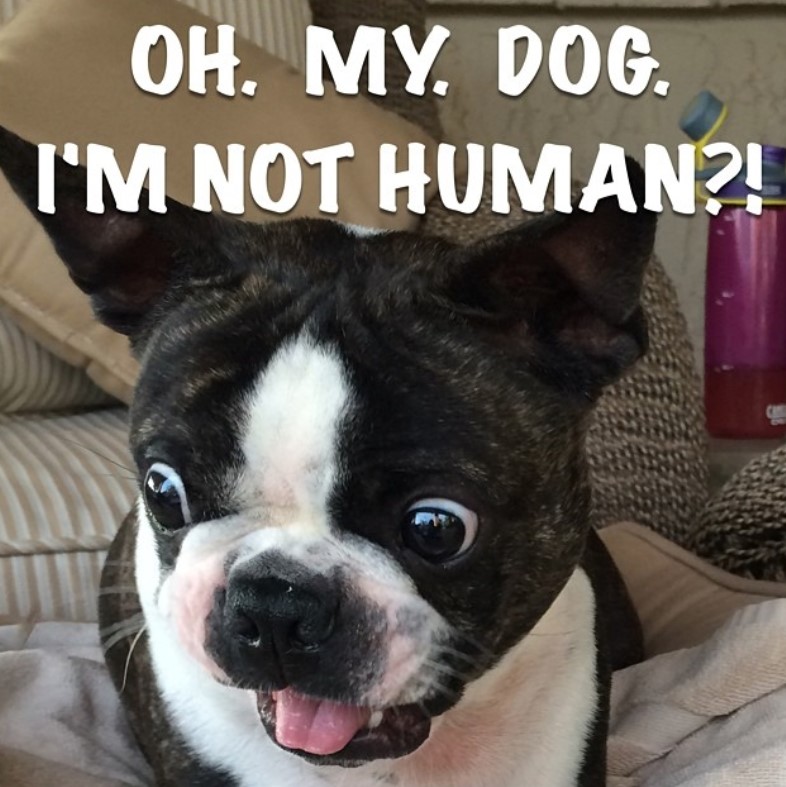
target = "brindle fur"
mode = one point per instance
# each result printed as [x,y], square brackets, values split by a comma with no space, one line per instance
[473,367]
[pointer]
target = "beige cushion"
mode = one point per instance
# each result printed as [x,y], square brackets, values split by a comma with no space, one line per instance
[681,600]
[65,76]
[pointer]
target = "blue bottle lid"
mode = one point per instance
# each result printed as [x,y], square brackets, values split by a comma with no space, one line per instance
[703,113]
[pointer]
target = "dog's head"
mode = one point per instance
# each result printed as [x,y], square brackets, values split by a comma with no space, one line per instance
[359,455]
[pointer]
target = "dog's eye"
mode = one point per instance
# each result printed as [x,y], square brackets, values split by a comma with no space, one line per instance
[439,530]
[165,496]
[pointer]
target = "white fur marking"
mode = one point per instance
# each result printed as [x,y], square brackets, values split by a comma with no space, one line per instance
[360,231]
[290,445]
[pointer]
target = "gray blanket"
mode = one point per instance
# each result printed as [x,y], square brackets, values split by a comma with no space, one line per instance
[709,716]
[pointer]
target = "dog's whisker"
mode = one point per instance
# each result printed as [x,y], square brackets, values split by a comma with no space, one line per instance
[134,643]
[396,711]
[99,454]
[112,627]
[125,626]
[445,691]
[110,642]
[473,643]
[117,632]
[473,662]
[469,662]
[444,669]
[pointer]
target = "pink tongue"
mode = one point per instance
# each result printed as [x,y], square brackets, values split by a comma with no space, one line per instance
[316,726]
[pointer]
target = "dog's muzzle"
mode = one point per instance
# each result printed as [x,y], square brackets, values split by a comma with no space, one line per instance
[312,650]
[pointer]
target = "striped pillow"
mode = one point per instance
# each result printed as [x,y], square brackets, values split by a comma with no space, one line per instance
[279,26]
[33,379]
[66,482]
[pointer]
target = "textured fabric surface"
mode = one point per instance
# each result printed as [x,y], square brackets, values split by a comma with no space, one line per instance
[343,19]
[647,445]
[51,586]
[33,379]
[64,489]
[61,722]
[743,528]
[713,715]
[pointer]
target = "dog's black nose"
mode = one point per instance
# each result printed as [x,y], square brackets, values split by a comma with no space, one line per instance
[280,622]
[278,617]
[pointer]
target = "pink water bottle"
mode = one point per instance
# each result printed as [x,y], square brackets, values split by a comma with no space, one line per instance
[745,323]
[745,302]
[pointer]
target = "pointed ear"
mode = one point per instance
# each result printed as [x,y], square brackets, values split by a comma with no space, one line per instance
[568,285]
[124,261]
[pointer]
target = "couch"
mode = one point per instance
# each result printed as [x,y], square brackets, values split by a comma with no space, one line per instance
[66,479]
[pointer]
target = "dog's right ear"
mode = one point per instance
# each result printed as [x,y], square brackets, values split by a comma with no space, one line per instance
[124,261]
[567,286]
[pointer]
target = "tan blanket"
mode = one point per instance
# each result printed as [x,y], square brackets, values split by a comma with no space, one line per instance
[710,716]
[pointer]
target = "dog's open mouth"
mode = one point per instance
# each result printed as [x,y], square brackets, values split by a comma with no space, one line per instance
[331,733]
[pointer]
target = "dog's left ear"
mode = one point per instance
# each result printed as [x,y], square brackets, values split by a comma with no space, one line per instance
[124,261]
[566,286]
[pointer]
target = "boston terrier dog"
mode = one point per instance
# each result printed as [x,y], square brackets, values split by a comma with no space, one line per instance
[361,552]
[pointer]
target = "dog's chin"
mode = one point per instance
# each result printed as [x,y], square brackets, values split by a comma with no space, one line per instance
[378,735]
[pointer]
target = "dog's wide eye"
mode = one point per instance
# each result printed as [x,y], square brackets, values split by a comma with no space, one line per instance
[165,496]
[439,530]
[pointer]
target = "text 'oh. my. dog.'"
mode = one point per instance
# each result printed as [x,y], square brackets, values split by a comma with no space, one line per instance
[460,173]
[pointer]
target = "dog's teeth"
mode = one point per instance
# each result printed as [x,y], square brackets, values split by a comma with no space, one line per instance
[375,720]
